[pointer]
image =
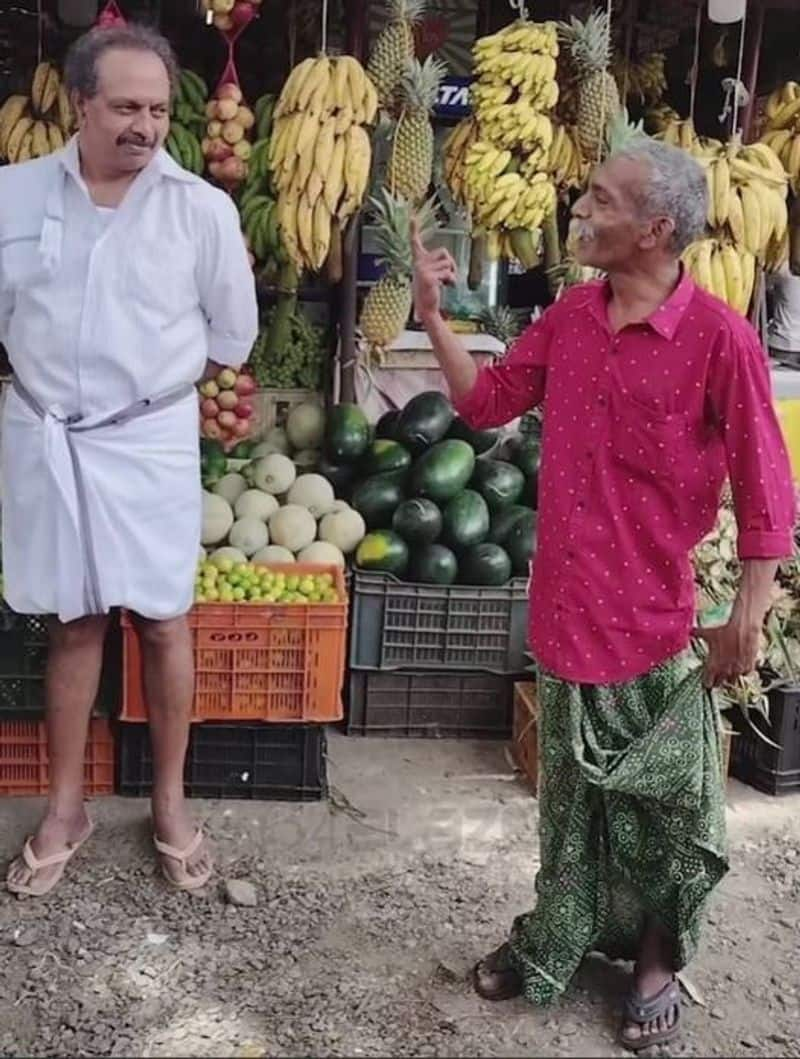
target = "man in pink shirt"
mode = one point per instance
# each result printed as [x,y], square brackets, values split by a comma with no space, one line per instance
[653,393]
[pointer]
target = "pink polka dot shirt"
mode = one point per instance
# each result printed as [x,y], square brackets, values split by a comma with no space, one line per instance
[641,429]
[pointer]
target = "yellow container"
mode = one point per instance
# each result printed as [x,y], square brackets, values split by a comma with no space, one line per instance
[789,416]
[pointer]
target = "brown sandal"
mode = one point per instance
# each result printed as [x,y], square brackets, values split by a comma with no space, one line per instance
[185,880]
[507,983]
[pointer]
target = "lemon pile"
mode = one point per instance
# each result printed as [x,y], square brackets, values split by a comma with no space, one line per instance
[226,582]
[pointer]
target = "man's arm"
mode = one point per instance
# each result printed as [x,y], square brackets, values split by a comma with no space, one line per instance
[227,288]
[494,395]
[763,493]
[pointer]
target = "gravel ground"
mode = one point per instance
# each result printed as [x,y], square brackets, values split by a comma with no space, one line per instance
[370,910]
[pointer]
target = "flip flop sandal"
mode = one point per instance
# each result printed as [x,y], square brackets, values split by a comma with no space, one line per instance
[498,964]
[181,856]
[36,864]
[643,1010]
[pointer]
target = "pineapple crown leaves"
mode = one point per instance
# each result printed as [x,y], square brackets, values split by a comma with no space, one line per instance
[392,219]
[622,134]
[410,11]
[420,84]
[503,323]
[589,42]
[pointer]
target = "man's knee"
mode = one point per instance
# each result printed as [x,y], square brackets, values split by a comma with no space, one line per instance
[79,634]
[162,635]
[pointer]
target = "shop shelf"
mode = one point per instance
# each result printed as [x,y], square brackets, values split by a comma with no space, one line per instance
[23,660]
[257,662]
[397,625]
[763,766]
[464,705]
[262,762]
[24,766]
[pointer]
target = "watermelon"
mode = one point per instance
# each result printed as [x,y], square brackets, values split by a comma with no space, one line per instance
[500,484]
[418,521]
[485,564]
[466,521]
[504,521]
[383,550]
[521,544]
[480,440]
[340,475]
[443,471]
[525,452]
[347,434]
[376,499]
[386,427]
[385,456]
[424,421]
[433,564]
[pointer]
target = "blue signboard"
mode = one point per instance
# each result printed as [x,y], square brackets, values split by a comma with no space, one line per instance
[453,99]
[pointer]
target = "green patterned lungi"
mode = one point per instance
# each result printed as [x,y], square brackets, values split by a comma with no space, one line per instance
[632,821]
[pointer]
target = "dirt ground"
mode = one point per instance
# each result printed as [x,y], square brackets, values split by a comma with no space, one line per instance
[371,909]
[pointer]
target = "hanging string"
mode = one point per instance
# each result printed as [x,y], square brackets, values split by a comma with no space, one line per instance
[739,70]
[521,8]
[324,26]
[695,71]
[604,105]
[39,32]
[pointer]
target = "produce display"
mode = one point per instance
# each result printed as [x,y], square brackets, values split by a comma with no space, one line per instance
[37,124]
[643,82]
[782,130]
[410,169]
[598,100]
[226,145]
[226,409]
[276,507]
[440,503]
[222,580]
[294,362]
[321,153]
[394,47]
[230,15]
[187,125]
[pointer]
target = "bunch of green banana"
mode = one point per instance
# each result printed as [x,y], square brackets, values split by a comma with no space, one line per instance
[258,209]
[36,125]
[188,122]
[264,111]
[185,148]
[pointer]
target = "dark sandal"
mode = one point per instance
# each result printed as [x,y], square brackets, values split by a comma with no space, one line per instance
[641,1011]
[508,983]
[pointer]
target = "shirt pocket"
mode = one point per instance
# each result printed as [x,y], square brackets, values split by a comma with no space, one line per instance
[161,279]
[649,445]
[21,263]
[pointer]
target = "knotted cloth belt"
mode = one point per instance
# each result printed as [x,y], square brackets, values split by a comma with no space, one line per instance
[79,590]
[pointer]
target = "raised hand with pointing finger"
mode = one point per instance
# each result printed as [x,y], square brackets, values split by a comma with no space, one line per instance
[432,268]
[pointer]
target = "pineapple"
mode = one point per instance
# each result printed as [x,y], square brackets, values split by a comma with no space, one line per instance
[388,304]
[502,323]
[394,47]
[598,96]
[622,134]
[410,169]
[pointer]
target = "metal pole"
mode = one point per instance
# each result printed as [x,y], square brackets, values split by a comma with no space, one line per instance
[755,34]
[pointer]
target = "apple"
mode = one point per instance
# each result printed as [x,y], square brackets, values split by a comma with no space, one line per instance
[226,380]
[233,170]
[244,410]
[243,149]
[224,23]
[243,13]
[245,117]
[222,7]
[227,400]
[209,388]
[227,420]
[212,429]
[232,132]
[214,129]
[230,91]
[211,109]
[219,151]
[214,169]
[227,109]
[241,428]
[245,385]
[209,408]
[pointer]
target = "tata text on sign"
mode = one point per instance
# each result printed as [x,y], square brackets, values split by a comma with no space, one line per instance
[453,101]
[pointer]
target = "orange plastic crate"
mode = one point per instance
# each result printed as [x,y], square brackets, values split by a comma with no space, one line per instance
[24,765]
[258,662]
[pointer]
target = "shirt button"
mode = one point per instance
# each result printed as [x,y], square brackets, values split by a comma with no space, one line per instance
[601,401]
[580,505]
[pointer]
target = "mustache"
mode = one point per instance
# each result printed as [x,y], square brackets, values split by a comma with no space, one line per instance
[135,141]
[580,231]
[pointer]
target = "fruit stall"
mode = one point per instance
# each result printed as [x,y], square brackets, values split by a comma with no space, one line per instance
[365,554]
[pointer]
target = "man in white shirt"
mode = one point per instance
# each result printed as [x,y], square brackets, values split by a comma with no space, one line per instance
[123,280]
[784,325]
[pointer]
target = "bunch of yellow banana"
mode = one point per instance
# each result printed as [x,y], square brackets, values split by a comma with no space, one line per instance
[645,81]
[36,125]
[500,197]
[321,153]
[678,132]
[723,269]
[456,148]
[747,190]
[565,161]
[782,130]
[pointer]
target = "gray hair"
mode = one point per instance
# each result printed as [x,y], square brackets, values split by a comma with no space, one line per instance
[80,68]
[677,188]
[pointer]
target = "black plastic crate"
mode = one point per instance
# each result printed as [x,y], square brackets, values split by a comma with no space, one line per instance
[23,661]
[434,705]
[397,625]
[763,766]
[262,762]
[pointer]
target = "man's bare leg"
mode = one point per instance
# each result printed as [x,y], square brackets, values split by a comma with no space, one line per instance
[168,676]
[74,663]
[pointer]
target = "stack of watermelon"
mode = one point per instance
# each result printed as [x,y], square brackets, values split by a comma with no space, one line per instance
[442,503]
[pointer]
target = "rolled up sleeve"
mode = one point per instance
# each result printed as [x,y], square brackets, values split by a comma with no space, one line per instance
[227,285]
[506,390]
[758,461]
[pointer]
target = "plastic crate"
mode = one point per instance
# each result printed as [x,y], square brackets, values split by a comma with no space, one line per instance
[446,706]
[273,406]
[24,765]
[257,761]
[23,661]
[763,766]
[257,662]
[396,625]
[525,739]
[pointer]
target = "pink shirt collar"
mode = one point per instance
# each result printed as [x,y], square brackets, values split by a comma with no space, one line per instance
[664,321]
